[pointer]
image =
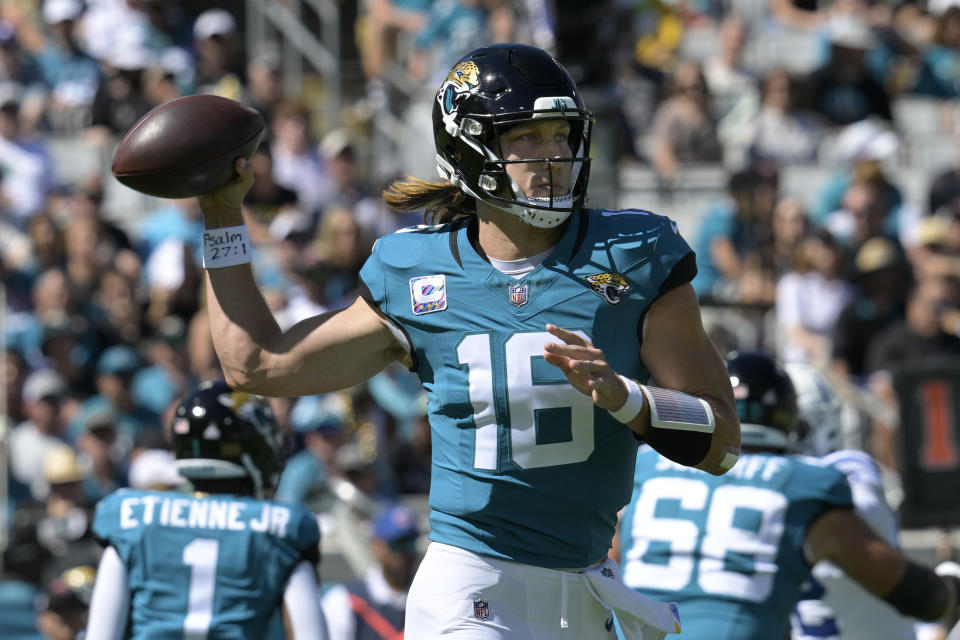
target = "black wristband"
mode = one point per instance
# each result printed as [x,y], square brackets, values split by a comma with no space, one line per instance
[923,594]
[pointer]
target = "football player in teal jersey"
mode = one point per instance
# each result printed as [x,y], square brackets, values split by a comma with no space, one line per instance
[534,323]
[831,605]
[220,563]
[732,552]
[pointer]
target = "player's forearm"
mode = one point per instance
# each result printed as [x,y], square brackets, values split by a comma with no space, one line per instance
[725,445]
[241,325]
[713,449]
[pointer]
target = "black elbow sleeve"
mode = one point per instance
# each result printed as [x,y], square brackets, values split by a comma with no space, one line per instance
[923,594]
[688,448]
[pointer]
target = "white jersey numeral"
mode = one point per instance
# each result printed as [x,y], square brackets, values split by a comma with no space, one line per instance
[525,400]
[704,558]
[201,556]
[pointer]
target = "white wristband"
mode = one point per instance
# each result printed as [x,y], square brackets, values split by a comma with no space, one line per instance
[226,247]
[631,408]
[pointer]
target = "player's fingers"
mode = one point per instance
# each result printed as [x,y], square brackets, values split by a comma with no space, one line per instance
[558,361]
[244,169]
[568,336]
[572,351]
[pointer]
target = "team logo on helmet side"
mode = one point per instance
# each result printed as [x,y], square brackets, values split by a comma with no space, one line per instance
[609,286]
[254,410]
[463,78]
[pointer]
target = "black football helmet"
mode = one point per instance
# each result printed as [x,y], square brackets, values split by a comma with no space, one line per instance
[488,91]
[766,401]
[220,433]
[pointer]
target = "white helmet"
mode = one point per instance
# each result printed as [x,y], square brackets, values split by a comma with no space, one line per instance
[821,430]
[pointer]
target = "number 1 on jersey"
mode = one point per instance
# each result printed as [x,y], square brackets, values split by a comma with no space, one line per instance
[526,400]
[201,556]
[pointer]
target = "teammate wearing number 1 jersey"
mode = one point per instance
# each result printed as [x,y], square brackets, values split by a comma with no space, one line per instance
[223,563]
[733,552]
[535,323]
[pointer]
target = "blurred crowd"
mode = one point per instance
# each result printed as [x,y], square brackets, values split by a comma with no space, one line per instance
[103,319]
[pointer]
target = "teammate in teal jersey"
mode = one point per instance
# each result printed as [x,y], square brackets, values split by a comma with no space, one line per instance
[530,320]
[217,564]
[831,605]
[733,551]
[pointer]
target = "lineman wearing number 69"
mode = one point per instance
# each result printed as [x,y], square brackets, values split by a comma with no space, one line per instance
[531,321]
[222,563]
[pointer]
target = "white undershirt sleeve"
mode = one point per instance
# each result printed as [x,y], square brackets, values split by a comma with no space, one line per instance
[110,602]
[301,599]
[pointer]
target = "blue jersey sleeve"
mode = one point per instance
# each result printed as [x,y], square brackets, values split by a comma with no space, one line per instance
[813,490]
[307,533]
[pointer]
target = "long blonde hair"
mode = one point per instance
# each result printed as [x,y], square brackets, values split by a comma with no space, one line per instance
[440,201]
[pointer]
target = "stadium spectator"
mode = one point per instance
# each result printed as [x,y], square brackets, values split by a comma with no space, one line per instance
[790,226]
[71,74]
[519,229]
[779,131]
[121,98]
[387,28]
[320,421]
[944,191]
[264,87]
[926,329]
[881,277]
[929,328]
[842,90]
[374,606]
[217,60]
[728,80]
[45,393]
[297,162]
[678,532]
[734,238]
[864,214]
[809,300]
[340,157]
[20,75]
[941,58]
[25,164]
[684,129]
[67,601]
[114,399]
[21,577]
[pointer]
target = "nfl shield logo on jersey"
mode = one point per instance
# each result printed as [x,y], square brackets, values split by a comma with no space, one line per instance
[481,609]
[518,294]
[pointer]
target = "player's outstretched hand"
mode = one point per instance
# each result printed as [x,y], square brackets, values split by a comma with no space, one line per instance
[228,198]
[586,368]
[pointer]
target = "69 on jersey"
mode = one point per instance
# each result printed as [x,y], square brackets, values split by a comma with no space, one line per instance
[528,402]
[710,545]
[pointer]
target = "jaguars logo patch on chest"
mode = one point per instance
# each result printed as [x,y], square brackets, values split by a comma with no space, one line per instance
[609,286]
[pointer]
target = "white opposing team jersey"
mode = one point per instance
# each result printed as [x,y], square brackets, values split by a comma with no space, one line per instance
[833,606]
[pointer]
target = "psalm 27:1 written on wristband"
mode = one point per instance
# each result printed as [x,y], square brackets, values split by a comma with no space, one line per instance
[226,247]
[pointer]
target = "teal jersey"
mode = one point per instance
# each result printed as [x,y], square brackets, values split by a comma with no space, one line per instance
[729,549]
[524,466]
[215,565]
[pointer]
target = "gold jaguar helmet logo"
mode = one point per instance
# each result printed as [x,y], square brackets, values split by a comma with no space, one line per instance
[609,286]
[465,75]
[463,79]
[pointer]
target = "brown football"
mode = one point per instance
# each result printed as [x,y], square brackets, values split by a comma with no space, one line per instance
[188,146]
